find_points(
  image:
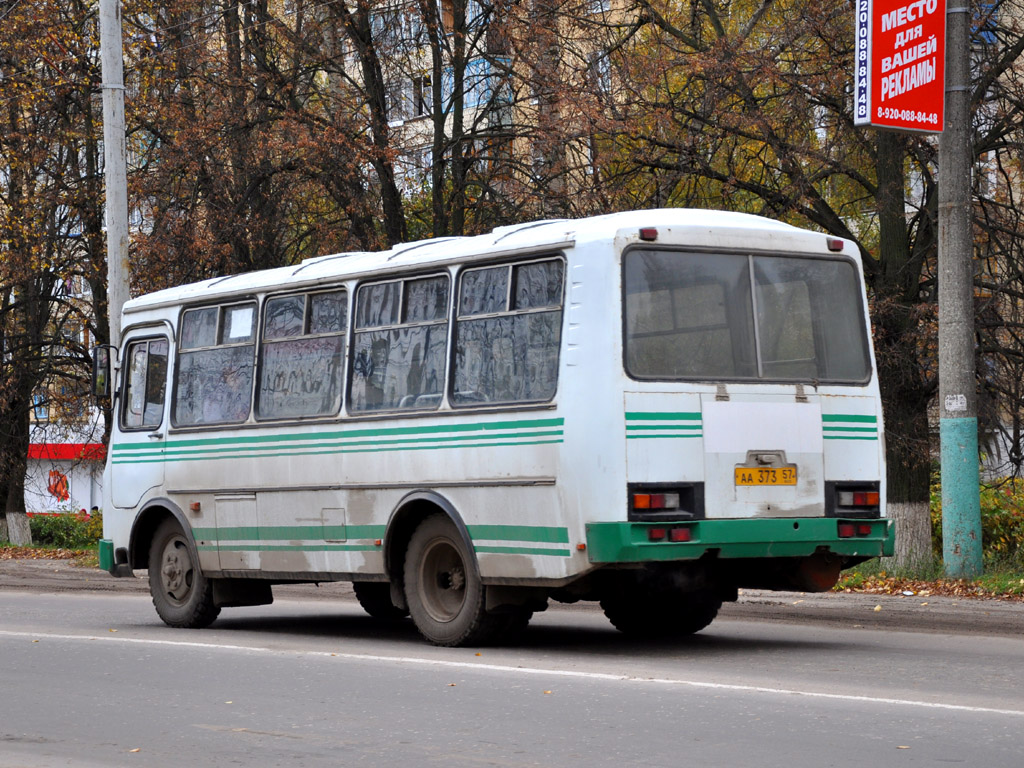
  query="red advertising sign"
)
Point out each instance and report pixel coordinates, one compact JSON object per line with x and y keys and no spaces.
{"x":899,"y":74}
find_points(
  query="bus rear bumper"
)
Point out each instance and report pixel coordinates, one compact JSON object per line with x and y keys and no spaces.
{"x":745,"y":538}
{"x":114,"y":561}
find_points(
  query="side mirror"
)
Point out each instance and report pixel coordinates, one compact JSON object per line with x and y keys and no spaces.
{"x":101,"y":371}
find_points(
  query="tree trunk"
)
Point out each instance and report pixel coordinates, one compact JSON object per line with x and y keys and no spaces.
{"x":898,"y":347}
{"x":18,"y":531}
{"x":17,"y":528}
{"x":913,"y":525}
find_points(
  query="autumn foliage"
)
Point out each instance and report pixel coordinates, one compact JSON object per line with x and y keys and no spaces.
{"x":261,"y":133}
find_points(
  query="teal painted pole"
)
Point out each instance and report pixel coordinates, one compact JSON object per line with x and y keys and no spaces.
{"x":958,"y":403}
{"x":961,"y":506}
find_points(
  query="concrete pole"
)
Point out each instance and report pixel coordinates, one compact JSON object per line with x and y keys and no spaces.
{"x":958,"y":422}
{"x":114,"y":164}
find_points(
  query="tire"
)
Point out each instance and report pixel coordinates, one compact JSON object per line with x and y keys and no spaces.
{"x":375,"y":599}
{"x":661,"y":614}
{"x":443,"y":588}
{"x":182,"y":595}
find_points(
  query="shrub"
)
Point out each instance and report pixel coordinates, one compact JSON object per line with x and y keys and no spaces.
{"x":66,"y":530}
{"x":1002,"y":521}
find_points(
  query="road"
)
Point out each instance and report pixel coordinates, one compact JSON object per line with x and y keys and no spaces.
{"x":93,"y":679}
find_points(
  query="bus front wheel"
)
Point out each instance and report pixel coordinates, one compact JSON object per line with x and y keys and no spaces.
{"x":443,"y":588}
{"x":182,"y":595}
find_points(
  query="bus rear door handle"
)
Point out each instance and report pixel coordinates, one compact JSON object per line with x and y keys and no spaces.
{"x":155,"y":435}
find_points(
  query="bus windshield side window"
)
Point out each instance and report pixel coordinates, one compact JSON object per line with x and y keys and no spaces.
{"x":399,"y":345}
{"x":213,"y":381}
{"x":508,"y":333}
{"x":146,"y":384}
{"x":301,"y":355}
{"x":697,"y":316}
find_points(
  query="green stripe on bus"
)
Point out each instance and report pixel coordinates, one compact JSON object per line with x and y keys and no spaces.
{"x":655,"y":427}
{"x":489,"y":550}
{"x":850,"y":437}
{"x":332,"y":451}
{"x":662,"y":416}
{"x":319,"y":443}
{"x":845,"y":430}
{"x":243,"y":538}
{"x":541,"y":533}
{"x":282,"y":532}
{"x":499,"y":426}
{"x":848,"y":417}
{"x":289,"y":548}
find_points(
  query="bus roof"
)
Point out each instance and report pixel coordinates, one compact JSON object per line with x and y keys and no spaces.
{"x":533,"y":236}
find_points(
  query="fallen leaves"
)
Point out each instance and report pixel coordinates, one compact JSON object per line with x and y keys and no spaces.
{"x":37,"y":553}
{"x":890,"y":585}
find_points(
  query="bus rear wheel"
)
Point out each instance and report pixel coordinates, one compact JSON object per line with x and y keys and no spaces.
{"x":443,"y":588}
{"x":375,"y":599}
{"x":661,"y":614}
{"x":182,"y":595}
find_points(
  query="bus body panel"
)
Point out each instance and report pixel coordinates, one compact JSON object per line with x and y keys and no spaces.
{"x":749,"y":436}
{"x":546,"y":490}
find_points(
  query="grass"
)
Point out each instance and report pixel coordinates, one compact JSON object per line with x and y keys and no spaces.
{"x":1002,"y":577}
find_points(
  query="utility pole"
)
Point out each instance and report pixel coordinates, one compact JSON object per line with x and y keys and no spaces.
{"x":958,"y":417}
{"x":114,"y":164}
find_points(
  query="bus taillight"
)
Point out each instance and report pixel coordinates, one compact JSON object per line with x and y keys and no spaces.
{"x":849,"y":530}
{"x":678,"y":535}
{"x":858,"y":498}
{"x":655,"y":501}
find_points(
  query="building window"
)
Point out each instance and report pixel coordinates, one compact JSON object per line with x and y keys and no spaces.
{"x":422,"y":95}
{"x":40,"y":407}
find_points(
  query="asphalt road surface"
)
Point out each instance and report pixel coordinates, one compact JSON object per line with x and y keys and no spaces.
{"x":89,"y":676}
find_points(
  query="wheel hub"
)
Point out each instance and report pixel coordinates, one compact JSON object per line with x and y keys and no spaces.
{"x":444,"y":581}
{"x":454,"y":579}
{"x":173,"y":572}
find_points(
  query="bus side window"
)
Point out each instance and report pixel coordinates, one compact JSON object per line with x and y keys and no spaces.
{"x":145,"y":384}
{"x":399,"y":345}
{"x":301,"y":355}
{"x":508,"y":333}
{"x":213,"y":380}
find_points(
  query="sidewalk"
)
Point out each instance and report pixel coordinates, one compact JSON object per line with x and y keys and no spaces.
{"x":902,"y":613}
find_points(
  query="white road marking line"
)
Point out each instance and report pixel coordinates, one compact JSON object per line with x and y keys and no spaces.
{"x":477,"y":666}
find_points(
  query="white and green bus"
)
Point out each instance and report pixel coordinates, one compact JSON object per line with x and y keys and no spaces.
{"x":648,"y":409}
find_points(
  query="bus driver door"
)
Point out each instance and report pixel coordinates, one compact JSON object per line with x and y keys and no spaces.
{"x":138,"y":440}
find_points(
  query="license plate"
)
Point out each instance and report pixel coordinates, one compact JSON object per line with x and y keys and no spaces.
{"x":765,"y":475}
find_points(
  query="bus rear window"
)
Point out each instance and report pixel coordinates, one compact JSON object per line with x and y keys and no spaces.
{"x":733,"y":316}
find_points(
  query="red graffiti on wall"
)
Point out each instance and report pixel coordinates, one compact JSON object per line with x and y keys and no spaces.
{"x":58,"y":485}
